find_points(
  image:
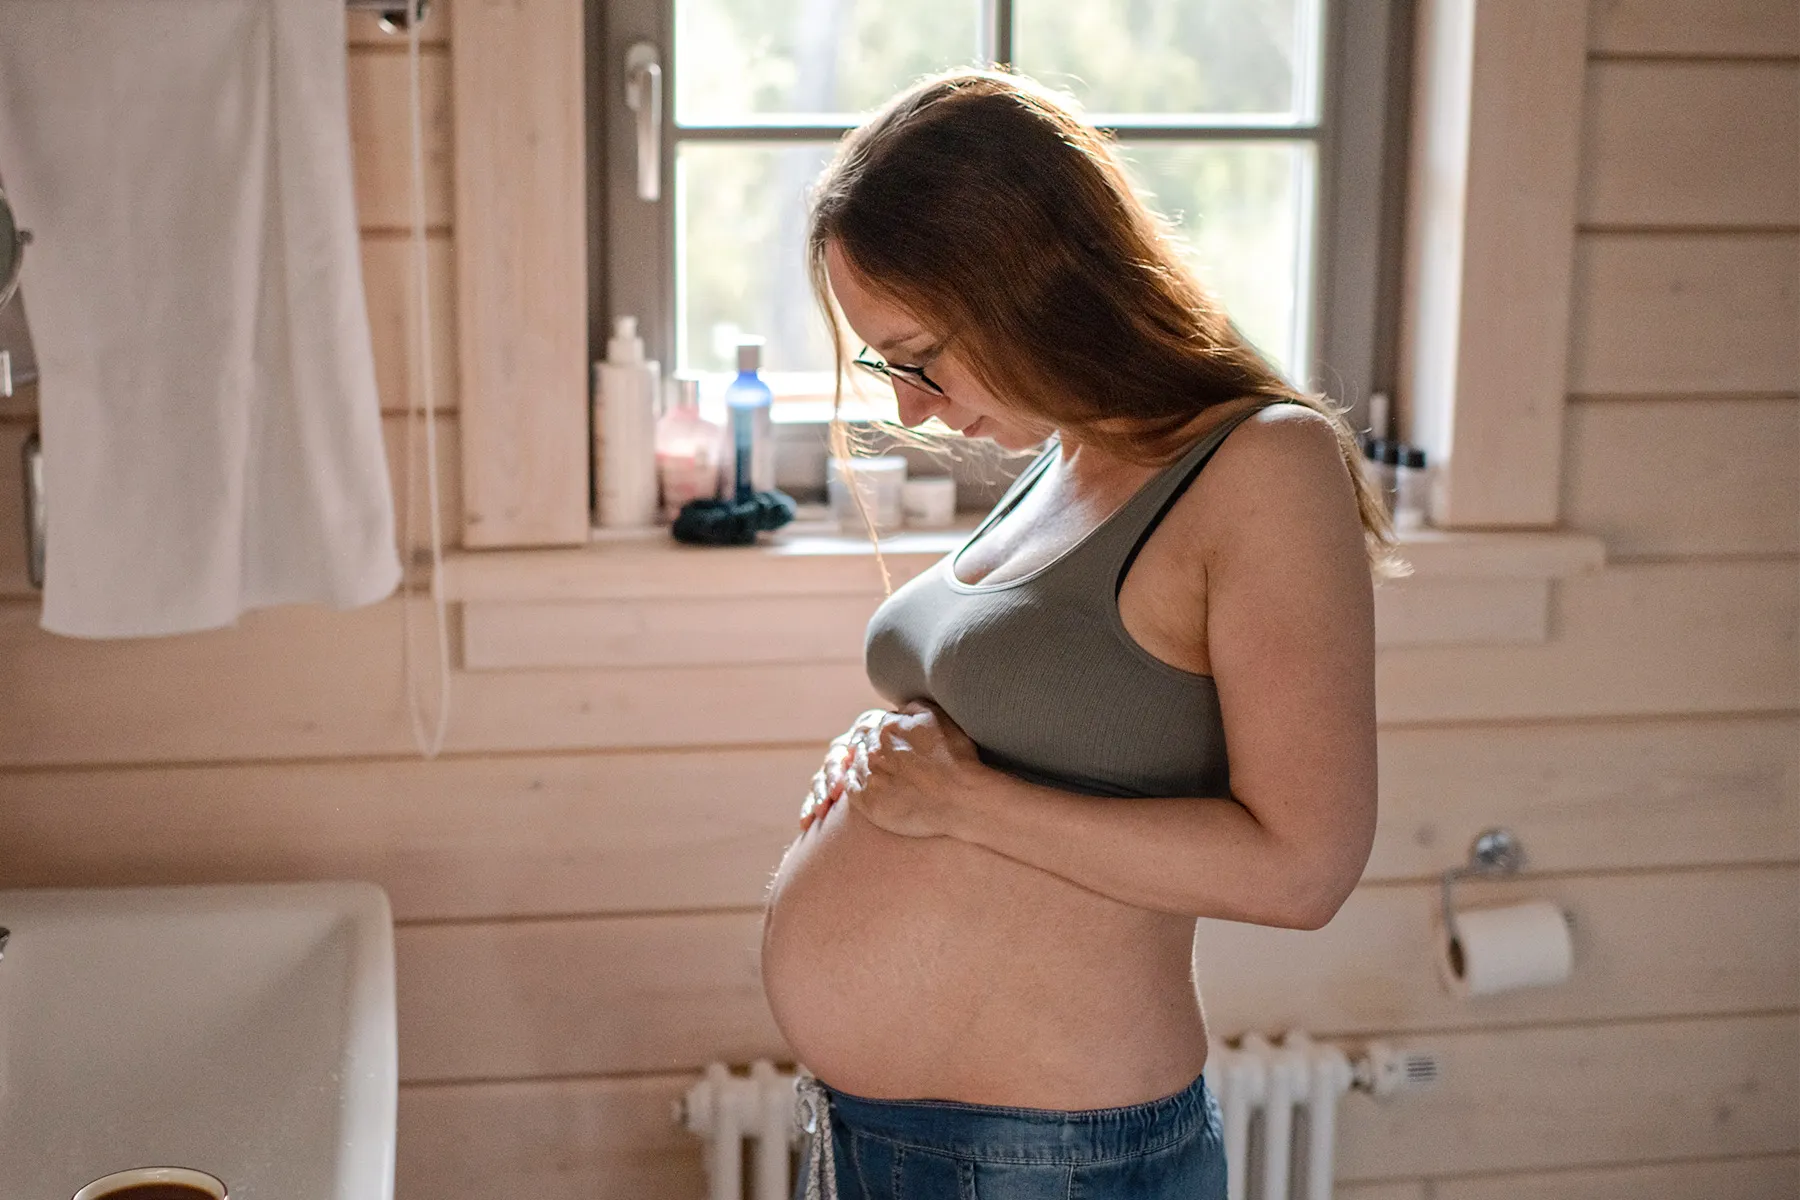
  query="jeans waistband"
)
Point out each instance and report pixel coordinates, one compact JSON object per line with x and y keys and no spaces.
{"x":998,"y":1132}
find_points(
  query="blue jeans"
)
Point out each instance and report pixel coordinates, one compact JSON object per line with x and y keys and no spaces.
{"x":947,"y":1150}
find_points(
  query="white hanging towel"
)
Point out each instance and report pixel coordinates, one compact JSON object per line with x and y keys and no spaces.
{"x":212,"y":435}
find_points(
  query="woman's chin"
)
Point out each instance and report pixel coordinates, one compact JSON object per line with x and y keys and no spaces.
{"x":1007,"y":438}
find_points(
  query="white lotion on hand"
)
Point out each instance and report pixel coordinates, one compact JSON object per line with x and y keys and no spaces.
{"x":625,"y":388}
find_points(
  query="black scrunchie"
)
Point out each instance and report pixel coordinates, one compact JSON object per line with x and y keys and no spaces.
{"x":732,"y":522}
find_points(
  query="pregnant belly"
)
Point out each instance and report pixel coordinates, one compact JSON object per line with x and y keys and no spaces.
{"x":933,"y":968}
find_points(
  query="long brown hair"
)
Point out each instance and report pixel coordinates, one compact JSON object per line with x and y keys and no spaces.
{"x":983,"y":203}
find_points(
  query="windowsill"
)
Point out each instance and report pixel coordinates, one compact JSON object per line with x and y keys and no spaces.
{"x":810,"y":556}
{"x":641,"y":599}
{"x":807,"y":557}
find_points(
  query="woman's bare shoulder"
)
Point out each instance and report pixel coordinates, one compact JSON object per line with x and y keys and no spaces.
{"x":1276,"y":489}
{"x":1286,"y":428}
{"x":1273,"y":480}
{"x":1282,"y":454}
{"x":1283,"y":460}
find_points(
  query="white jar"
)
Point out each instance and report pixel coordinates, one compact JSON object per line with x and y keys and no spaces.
{"x":880,"y":482}
{"x":930,"y":503}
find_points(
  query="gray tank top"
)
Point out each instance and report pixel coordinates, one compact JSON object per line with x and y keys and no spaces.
{"x":1039,"y":669}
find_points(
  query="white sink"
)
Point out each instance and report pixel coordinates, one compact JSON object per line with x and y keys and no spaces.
{"x":246,"y":1031}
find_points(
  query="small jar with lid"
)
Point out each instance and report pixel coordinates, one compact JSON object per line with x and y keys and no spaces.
{"x":1381,"y":464}
{"x":880,"y":481}
{"x":1412,"y":488}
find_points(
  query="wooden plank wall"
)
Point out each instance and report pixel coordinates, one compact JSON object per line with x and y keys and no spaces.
{"x":578,"y":879}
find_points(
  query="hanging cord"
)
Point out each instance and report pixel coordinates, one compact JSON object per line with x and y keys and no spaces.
{"x":421,"y":392}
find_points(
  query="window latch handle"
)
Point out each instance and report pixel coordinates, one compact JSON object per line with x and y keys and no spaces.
{"x":643,"y":95}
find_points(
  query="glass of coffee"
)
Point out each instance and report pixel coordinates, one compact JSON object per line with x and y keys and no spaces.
{"x":155,"y":1183}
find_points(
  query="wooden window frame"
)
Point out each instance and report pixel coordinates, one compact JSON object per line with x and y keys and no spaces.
{"x":517,"y":81}
{"x":1351,"y":329}
{"x":1490,"y":253}
{"x":1484,"y":310}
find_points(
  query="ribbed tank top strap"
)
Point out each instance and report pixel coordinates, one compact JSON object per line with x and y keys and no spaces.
{"x":1112,"y":548}
{"x":1021,"y":482}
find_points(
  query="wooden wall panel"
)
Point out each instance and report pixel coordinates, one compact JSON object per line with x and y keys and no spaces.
{"x":1645,"y":639}
{"x":387,"y":270}
{"x":381,"y":141}
{"x":657,"y":707}
{"x":449,"y":838}
{"x":1748,"y":28}
{"x":1591,"y":795}
{"x":1704,"y":144}
{"x":1776,"y":1177}
{"x":689,"y":631}
{"x":307,"y":682}
{"x":734,"y":629}
{"x":580,"y":997}
{"x":1575,"y":1100}
{"x":1665,"y":638}
{"x":1433,"y":612}
{"x":587,"y":1139}
{"x":1645,"y":945}
{"x":1579,"y":1095}
{"x":642,"y":831}
{"x":612,"y":995}
{"x":704,"y":628}
{"x":637,"y":831}
{"x":1685,"y":475}
{"x":285,"y":682}
{"x":1696,"y":313}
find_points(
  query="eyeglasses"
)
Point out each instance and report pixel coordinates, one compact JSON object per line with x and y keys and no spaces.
{"x":894,"y":372}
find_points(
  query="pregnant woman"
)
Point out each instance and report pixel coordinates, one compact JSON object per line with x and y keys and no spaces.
{"x":1141,"y":693}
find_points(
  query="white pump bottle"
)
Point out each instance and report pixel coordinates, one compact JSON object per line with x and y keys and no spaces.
{"x":625,"y":391}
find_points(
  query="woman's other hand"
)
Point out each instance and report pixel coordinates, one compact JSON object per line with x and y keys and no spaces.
{"x":828,"y":780}
{"x":911,"y":771}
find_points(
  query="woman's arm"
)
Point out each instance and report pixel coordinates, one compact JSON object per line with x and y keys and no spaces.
{"x":1290,"y":635}
{"x":1290,"y":639}
{"x":1199,"y":856}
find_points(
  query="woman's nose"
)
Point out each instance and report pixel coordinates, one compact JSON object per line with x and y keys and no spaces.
{"x":915,"y":404}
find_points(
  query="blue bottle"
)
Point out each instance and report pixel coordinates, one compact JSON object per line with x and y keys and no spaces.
{"x":751,"y":428}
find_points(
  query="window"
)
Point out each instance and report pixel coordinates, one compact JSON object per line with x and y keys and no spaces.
{"x":1261,"y":127}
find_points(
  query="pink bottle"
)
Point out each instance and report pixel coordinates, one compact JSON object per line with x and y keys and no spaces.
{"x":687,"y":449}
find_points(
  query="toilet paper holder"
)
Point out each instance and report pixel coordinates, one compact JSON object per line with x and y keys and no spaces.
{"x":1495,"y":851}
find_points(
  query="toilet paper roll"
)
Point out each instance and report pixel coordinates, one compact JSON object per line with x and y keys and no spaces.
{"x":1519,"y":945}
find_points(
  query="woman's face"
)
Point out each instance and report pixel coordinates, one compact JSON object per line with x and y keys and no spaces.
{"x":901,"y":338}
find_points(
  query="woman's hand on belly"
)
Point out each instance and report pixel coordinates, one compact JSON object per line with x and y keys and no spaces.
{"x":913,"y":772}
{"x":828,"y":780}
